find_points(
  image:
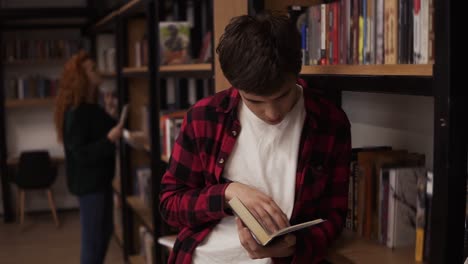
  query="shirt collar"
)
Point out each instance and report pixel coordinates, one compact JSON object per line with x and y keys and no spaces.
{"x":232,"y":99}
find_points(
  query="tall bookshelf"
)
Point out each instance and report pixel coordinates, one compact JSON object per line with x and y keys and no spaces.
{"x":22,"y":22}
{"x":141,"y":84}
{"x":450,"y":148}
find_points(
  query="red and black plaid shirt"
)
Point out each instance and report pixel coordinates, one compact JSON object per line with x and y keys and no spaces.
{"x":192,"y":190}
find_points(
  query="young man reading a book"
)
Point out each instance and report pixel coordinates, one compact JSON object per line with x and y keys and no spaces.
{"x":269,"y":140}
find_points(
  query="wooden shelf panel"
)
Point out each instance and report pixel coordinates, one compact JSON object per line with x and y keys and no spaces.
{"x":370,"y":70}
{"x":136,"y":259}
{"x":143,"y":212}
{"x":352,"y":249}
{"x":135,"y":71}
{"x":186,"y":67}
{"x":30,"y":102}
{"x":180,"y":70}
{"x":108,"y":74}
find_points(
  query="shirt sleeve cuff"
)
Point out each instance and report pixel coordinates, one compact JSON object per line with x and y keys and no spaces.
{"x":217,"y":202}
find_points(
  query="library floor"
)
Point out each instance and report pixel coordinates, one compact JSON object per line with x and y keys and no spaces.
{"x":39,"y":241}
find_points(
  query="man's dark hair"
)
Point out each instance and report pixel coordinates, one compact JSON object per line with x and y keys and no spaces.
{"x":257,"y":53}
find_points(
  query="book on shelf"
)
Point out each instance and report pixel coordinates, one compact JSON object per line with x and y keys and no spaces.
{"x":205,"y":54}
{"x":31,"y":86}
{"x":402,"y":205}
{"x":366,"y":32}
{"x":38,"y":49}
{"x":174,"y":42}
{"x":170,"y":125}
{"x":420,"y":221}
{"x":254,"y":225}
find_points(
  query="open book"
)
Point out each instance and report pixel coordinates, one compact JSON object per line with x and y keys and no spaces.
{"x":261,"y":234}
{"x":123,"y":115}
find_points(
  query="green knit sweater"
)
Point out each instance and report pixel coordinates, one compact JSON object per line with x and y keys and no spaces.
{"x":89,"y":155}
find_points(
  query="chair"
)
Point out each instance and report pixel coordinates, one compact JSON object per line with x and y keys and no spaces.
{"x":35,"y":172}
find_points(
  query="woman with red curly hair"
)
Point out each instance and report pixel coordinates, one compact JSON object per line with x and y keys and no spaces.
{"x":88,"y":134}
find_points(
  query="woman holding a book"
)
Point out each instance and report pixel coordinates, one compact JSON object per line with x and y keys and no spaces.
{"x":88,"y":134}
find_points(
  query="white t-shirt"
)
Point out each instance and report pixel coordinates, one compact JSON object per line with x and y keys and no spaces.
{"x":265,"y":157}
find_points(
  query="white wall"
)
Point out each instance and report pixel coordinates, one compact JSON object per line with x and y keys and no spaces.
{"x":33,"y":128}
{"x":400,"y":121}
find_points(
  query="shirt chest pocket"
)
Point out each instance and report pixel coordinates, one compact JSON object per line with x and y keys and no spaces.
{"x":315,"y":182}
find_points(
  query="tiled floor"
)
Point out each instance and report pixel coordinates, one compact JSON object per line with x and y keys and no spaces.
{"x":39,"y":241}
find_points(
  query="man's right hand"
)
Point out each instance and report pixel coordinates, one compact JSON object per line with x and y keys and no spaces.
{"x":259,"y":204}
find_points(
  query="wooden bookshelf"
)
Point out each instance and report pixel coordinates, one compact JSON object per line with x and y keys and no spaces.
{"x":30,"y":102}
{"x":108,"y":75}
{"x":370,"y":70}
{"x":143,"y":212}
{"x":136,"y":259}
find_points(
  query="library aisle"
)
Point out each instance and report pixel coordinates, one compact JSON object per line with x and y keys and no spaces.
{"x":39,"y":241}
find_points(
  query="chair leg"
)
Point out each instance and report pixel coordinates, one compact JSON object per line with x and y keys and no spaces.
{"x":18,"y":204}
{"x":52,"y":207}
{"x":22,"y":194}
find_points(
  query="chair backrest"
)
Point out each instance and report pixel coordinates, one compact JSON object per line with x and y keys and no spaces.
{"x":35,"y":170}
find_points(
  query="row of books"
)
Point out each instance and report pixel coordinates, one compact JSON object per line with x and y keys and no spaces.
{"x":23,"y":49}
{"x":389,"y":195}
{"x":35,"y":86}
{"x":366,"y":32}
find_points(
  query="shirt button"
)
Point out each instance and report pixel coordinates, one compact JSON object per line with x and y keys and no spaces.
{"x":221,"y":161}
{"x":234,"y":133}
